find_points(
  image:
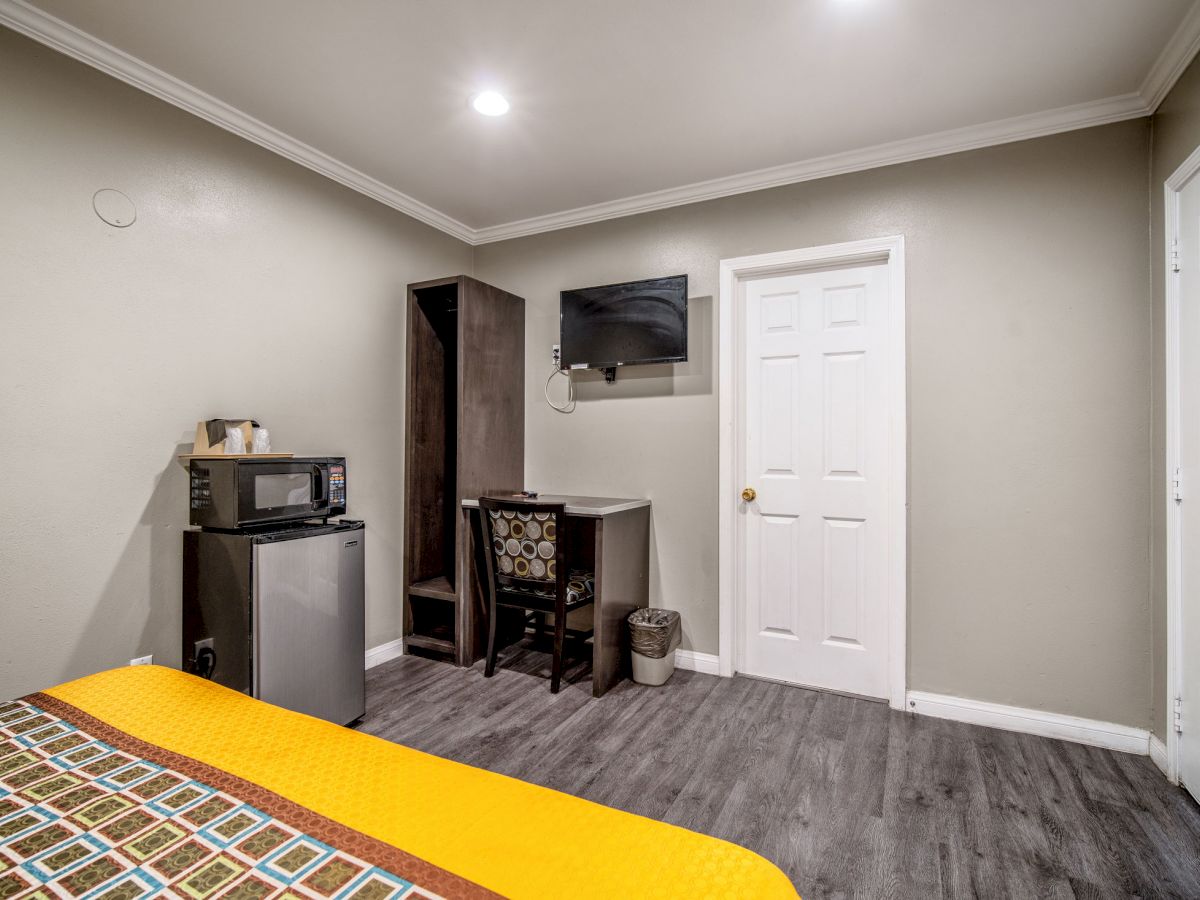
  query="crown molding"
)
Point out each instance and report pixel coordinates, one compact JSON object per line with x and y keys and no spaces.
{"x":1019,"y":128}
{"x":66,"y":38}
{"x":1181,"y":49}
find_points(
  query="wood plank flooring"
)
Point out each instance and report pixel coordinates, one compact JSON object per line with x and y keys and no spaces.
{"x":848,"y":797}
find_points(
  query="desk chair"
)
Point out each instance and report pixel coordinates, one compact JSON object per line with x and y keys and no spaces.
{"x":528,"y":570}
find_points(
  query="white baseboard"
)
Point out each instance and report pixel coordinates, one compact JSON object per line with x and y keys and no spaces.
{"x":1158,"y":754}
{"x":1032,"y":721}
{"x":381,"y":654}
{"x":708,"y":663}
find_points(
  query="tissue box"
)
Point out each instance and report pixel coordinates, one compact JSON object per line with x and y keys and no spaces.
{"x":210,"y":435}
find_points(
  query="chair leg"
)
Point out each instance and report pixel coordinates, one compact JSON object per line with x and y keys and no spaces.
{"x":489,"y":668}
{"x":539,"y":628}
{"x":560,"y":630}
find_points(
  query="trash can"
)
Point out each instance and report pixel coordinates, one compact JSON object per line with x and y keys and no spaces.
{"x":654,"y":635}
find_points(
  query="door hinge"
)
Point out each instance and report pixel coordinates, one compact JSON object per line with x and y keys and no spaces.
{"x":1175,"y":257}
{"x":1177,"y":486}
{"x":1177,"y":715}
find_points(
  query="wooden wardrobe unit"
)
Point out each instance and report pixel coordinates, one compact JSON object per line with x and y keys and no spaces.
{"x":465,"y":436}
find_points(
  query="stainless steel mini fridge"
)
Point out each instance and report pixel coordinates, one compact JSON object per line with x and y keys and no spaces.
{"x":279,"y":614}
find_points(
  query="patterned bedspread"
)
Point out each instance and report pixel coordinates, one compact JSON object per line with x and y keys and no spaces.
{"x":144,"y":780}
{"x":89,"y":811}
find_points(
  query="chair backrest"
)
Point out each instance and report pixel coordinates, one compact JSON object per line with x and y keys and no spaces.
{"x":525,"y":544}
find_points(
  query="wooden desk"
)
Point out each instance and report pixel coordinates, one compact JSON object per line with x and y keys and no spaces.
{"x":613,"y":535}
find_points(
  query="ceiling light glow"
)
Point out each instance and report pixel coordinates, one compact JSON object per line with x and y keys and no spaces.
{"x":490,"y":103}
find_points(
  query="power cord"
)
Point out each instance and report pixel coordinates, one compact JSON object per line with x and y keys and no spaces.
{"x":206,"y":662}
{"x":569,"y":406}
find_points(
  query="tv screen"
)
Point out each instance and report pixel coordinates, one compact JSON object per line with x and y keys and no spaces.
{"x":624,"y":324}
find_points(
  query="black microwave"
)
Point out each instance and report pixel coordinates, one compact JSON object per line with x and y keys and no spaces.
{"x":237,"y":493}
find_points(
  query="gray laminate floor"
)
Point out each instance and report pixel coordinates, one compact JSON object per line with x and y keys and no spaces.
{"x":849,"y":798}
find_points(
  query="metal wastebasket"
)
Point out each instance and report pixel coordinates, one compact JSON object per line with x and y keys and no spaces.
{"x":654,"y":635}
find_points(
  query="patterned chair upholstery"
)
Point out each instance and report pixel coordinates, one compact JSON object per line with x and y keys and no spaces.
{"x":527,"y":570}
{"x":524,"y":545}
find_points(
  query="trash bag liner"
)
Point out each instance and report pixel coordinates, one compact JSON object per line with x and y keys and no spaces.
{"x":654,"y":632}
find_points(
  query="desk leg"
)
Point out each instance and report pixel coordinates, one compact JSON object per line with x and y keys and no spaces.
{"x":622,"y":585}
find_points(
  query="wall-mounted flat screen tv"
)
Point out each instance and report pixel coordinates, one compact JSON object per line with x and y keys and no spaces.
{"x":624,"y":324}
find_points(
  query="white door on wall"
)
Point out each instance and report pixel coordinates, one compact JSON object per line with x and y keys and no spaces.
{"x":814,"y":447}
{"x":1189,"y":506}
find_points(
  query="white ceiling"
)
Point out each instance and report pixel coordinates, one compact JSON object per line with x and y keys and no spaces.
{"x":661,"y":101}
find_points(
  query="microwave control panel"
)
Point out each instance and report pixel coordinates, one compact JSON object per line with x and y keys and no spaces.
{"x":337,"y":485}
{"x":201,"y":488}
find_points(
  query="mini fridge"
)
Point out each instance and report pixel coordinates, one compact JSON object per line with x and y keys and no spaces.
{"x":279,"y":614}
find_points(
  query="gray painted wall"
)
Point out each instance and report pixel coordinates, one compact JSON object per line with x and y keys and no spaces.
{"x":1175,"y":134}
{"x":248,"y":286}
{"x":1029,"y":356}
{"x":1030,"y":359}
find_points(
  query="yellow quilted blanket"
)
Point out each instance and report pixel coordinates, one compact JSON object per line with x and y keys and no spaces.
{"x":482,"y":832}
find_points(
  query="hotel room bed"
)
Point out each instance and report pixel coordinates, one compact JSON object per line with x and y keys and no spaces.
{"x":144,"y":779}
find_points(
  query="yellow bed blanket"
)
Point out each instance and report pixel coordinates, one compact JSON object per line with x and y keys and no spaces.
{"x":147,"y":773}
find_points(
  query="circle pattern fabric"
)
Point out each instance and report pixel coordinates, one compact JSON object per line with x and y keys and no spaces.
{"x":524,"y":544}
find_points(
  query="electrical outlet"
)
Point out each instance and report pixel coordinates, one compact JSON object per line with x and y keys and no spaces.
{"x":143,"y":661}
{"x":556,"y":351}
{"x":204,"y":658}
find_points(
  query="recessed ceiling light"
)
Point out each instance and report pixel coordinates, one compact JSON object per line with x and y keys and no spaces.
{"x":490,"y":103}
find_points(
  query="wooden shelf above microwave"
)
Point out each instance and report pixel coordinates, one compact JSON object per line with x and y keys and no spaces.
{"x":186,"y":458}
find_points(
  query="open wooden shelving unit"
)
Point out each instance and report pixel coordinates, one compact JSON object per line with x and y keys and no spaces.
{"x":465,"y":436}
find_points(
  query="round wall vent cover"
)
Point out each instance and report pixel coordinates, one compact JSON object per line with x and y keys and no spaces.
{"x":114,"y":208}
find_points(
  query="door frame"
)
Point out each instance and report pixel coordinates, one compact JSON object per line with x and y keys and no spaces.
{"x":1172,"y":188}
{"x":734,"y":273}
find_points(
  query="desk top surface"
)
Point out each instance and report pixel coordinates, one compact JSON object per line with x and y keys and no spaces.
{"x":575,"y":506}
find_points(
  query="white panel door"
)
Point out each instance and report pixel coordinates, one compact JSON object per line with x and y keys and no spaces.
{"x":1189,"y":507}
{"x":813,"y":441}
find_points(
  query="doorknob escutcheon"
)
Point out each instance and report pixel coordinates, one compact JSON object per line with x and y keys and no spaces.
{"x":748,"y":494}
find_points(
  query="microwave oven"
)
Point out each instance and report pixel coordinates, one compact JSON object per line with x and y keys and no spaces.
{"x":230,"y":494}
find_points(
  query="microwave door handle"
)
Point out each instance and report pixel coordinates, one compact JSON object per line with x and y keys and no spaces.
{"x":320,"y":482}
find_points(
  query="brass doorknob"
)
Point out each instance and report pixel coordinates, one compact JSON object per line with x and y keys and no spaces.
{"x":749,"y":494}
